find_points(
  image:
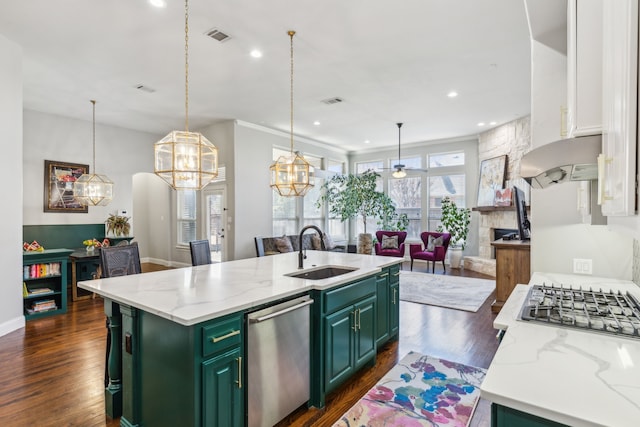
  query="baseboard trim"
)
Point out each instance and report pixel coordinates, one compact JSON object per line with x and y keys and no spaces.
{"x":12,"y":325}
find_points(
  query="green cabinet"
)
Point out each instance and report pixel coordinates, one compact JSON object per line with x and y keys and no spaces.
{"x":503,"y":416}
{"x":222,"y":396}
{"x":349,"y":325}
{"x":387,"y":303}
{"x":184,"y":375}
{"x":44,"y":286}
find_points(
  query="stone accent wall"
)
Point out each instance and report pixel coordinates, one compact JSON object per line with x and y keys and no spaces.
{"x":514,"y":140}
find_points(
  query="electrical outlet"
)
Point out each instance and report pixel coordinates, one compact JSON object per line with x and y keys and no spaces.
{"x":582,"y":266}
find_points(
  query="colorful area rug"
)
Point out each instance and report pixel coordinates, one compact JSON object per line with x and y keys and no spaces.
{"x":419,"y":391}
{"x":460,"y":293}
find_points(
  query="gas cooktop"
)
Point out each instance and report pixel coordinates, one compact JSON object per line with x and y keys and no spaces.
{"x":598,"y":311}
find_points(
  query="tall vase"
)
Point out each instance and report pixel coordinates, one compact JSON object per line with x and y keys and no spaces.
{"x":455,"y":256}
{"x":365,"y":243}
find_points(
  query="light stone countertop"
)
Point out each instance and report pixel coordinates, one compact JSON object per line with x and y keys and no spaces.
{"x":192,"y":295}
{"x":562,"y":374}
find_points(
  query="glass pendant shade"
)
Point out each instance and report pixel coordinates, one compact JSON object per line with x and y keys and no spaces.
{"x":92,"y":189}
{"x":186,"y":160}
{"x":400,"y":173}
{"x":292,"y":175}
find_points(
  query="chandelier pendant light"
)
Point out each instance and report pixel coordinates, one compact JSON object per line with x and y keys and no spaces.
{"x":186,"y":160}
{"x":292,"y":175}
{"x":399,"y":172}
{"x":92,"y":188}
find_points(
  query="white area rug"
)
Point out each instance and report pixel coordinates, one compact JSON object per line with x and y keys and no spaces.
{"x":460,"y":293}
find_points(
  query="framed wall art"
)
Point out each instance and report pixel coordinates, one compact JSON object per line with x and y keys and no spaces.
{"x":492,"y":172}
{"x":58,"y":186}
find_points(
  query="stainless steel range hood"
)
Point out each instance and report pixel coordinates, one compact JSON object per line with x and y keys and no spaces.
{"x":573,"y":159}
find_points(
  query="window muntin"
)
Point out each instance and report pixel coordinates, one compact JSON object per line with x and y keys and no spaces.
{"x":186,"y":216}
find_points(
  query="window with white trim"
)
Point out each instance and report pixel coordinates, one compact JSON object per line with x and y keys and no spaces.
{"x":186,"y":216}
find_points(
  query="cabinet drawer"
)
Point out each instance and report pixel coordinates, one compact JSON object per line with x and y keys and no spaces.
{"x":221,"y":334}
{"x":337,"y":298}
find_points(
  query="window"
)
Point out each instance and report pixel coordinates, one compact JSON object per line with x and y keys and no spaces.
{"x":365,"y":166}
{"x":335,"y":166}
{"x":312,"y":214}
{"x":285,"y":218}
{"x":410,"y":162}
{"x":407,"y":196}
{"x":186,"y":215}
{"x":446,"y":159}
{"x":452,"y":186}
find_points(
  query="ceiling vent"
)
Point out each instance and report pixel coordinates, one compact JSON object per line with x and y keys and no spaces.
{"x":144,"y":88}
{"x":216,"y":34}
{"x":332,"y":101}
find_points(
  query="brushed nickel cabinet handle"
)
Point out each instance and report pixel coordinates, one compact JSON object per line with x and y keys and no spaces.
{"x":355,"y":321}
{"x":394,"y":295}
{"x":224,"y":337}
{"x":383,"y":275}
{"x":239,"y":382}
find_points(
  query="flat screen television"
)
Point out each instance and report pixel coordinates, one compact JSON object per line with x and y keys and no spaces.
{"x":524,"y":227}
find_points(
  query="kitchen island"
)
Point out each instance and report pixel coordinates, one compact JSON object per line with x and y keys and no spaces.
{"x":181,"y":332}
{"x":545,"y":375}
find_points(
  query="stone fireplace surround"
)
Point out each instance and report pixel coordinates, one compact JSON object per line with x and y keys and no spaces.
{"x":485,"y":262}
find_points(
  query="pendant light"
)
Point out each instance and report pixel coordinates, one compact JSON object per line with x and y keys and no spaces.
{"x":291,"y":175}
{"x":93,"y":189}
{"x":186,"y":160}
{"x":399,"y":172}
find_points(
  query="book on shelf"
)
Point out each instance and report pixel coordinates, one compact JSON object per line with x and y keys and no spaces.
{"x":39,"y":291}
{"x":43,"y":305}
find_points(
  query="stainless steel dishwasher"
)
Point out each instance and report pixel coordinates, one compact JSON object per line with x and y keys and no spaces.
{"x":278,"y":361}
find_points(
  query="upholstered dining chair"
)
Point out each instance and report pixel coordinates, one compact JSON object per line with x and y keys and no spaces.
{"x":390,"y":243}
{"x":200,"y":252}
{"x":119,"y":260}
{"x":435,"y":248}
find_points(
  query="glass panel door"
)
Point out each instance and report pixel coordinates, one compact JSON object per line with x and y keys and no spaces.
{"x":214,"y":222}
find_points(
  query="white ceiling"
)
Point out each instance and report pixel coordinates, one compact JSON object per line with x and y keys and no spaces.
{"x":390,"y":61}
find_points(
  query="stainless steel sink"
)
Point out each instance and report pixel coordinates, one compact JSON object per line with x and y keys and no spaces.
{"x":323,"y":272}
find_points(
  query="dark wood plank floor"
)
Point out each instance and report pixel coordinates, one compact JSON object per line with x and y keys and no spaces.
{"x":51,"y":372}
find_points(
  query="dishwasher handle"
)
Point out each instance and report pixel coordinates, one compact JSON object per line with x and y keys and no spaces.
{"x":280,"y":313}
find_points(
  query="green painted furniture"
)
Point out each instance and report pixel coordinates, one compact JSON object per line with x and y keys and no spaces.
{"x":175,"y":375}
{"x":387,"y":303}
{"x":503,"y":416}
{"x":48,"y":284}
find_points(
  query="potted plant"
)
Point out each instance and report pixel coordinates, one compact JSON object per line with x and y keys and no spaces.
{"x":355,"y":195}
{"x":455,"y":221}
{"x":117,"y":225}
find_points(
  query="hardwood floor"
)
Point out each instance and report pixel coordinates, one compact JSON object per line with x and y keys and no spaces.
{"x":51,"y":372}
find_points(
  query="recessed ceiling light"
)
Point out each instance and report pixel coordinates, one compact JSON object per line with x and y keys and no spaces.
{"x":367,"y":141}
{"x":317,"y":123}
{"x":256,"y":53}
{"x":481,"y":124}
{"x":492,"y":123}
{"x":452,"y":94}
{"x":158,"y":3}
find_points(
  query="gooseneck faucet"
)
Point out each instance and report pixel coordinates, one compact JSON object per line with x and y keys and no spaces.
{"x":301,"y":255}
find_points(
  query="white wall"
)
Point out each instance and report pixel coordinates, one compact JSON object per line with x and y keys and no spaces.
{"x":557,"y":233}
{"x":11,"y":317}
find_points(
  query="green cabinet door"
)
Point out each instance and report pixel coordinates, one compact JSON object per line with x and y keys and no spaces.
{"x":222,"y":394}
{"x":365,"y":331}
{"x":339,"y":330}
{"x":382,"y":305}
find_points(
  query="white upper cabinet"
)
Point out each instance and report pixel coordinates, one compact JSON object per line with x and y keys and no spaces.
{"x":584,"y":67}
{"x":617,"y":164}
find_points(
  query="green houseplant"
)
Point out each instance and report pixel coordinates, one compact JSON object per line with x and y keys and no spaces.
{"x":118,"y":225}
{"x":455,"y":221}
{"x":355,"y":196}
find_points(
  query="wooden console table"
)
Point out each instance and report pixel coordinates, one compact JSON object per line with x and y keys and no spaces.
{"x":513,"y":266}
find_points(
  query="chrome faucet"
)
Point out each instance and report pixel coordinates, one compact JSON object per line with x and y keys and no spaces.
{"x":301,"y":255}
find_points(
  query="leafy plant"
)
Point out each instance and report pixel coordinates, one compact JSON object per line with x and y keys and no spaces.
{"x":392,"y":220}
{"x":455,"y":221}
{"x":118,"y":224}
{"x":352,"y":196}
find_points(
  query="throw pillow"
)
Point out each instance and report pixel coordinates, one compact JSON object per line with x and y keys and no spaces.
{"x":432,"y":242}
{"x":283,"y":244}
{"x":328,"y":242}
{"x":389,"y":242}
{"x":315,"y":242}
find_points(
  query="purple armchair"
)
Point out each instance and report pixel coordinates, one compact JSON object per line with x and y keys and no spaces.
{"x":399,"y":251}
{"x":437,"y":254}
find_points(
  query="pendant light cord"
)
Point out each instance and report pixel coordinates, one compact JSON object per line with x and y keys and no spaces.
{"x":94,"y":135}
{"x":186,"y":65}
{"x":291,"y":34}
